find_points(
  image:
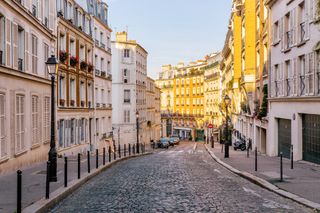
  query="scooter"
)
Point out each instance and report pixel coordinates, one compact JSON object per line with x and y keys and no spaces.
{"x":240,"y":145}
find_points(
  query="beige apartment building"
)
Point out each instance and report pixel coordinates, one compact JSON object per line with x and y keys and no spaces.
{"x":27,"y":39}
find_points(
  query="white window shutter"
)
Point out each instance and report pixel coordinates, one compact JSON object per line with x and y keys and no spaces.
{"x":40,"y":10}
{"x":295,"y":76}
{"x":52,"y":16}
{"x":8,"y":43}
{"x":26,"y":55}
{"x":281,"y":32}
{"x":15,"y":45}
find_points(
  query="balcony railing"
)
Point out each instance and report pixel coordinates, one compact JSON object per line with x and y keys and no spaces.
{"x":34,"y":10}
{"x":20,"y":64}
{"x":102,"y":45}
{"x":1,"y":57}
{"x":97,"y":105}
{"x":96,"y":42}
{"x":109,"y":49}
{"x":103,"y":73}
{"x":46,"y":22}
{"x":97,"y":72}
{"x":302,"y":32}
{"x":288,"y":35}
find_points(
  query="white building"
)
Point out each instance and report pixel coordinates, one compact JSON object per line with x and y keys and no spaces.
{"x":26,"y":41}
{"x":129,"y":71}
{"x":294,"y":97}
{"x":103,"y":76}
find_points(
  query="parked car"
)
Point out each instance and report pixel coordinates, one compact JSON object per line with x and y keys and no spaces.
{"x":171,"y":141}
{"x":163,"y":143}
{"x":176,"y":140}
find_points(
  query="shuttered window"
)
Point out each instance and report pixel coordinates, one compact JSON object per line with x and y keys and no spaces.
{"x":35,"y":119}
{"x":20,"y":123}
{"x":3,"y":143}
{"x":46,"y":119}
{"x":46,"y":56}
{"x":34,"y":52}
{"x":2,"y":39}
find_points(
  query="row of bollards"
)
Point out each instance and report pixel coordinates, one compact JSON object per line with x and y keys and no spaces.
{"x":131,"y":150}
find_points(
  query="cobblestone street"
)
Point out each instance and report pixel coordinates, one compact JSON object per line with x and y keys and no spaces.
{"x":179,"y":179}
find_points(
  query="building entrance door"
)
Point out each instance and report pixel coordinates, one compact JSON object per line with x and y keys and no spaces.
{"x":311,"y":138}
{"x":284,"y":137}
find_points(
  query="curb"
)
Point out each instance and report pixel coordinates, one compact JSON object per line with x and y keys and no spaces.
{"x":265,"y":184}
{"x":41,"y":206}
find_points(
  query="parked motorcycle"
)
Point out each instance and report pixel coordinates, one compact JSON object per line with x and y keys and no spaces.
{"x":240,"y":145}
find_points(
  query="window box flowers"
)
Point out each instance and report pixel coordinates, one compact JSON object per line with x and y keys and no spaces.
{"x":74,"y":61}
{"x":63,"y":56}
{"x":83,"y":65}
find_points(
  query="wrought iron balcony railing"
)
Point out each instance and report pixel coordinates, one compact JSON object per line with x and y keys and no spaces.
{"x":20,"y":64}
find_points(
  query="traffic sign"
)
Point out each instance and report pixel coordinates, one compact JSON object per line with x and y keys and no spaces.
{"x":210,"y":126}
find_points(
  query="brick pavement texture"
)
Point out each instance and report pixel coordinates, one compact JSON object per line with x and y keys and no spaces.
{"x":303,"y":180}
{"x":175,"y":180}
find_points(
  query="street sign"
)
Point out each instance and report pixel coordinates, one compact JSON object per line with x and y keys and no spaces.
{"x":210,"y":126}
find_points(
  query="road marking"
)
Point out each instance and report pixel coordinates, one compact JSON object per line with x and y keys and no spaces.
{"x":181,"y":151}
{"x":162,"y":152}
{"x":251,"y":191}
{"x":216,"y":170}
{"x":200,"y":151}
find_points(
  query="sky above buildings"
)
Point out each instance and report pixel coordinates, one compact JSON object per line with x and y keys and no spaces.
{"x":172,"y":30}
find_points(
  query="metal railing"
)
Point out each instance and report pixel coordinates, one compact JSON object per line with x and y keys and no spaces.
{"x":102,"y":45}
{"x":288,"y":39}
{"x":97,"y":72}
{"x":302,"y":32}
{"x":103,"y":73}
{"x":96,"y":42}
{"x":34,"y":10}
{"x":20,"y":64}
{"x":46,"y":22}
{"x":302,"y":84}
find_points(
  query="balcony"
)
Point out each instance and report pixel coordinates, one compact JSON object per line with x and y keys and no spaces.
{"x":302,"y":29}
{"x":102,"y":45}
{"x":98,"y":105}
{"x":82,"y":103}
{"x":34,"y":10}
{"x":103,"y":74}
{"x":20,"y":64}
{"x":97,"y":72}
{"x":1,"y":58}
{"x":104,"y":105}
{"x":96,"y":41}
{"x":109,"y":49}
{"x":61,"y":102}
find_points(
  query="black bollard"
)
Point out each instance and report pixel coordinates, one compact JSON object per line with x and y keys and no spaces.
{"x":19,"y":191}
{"x":48,"y":180}
{"x":248,"y":152}
{"x":291,"y":156}
{"x":281,"y":168}
{"x":65,"y":171}
{"x":114,"y":152}
{"x":79,"y":165}
{"x":124,"y":150}
{"x":97,"y":158}
{"x":104,"y":156}
{"x":129,"y":149}
{"x":88,"y":156}
{"x":256,"y":159}
{"x":119,"y":150}
{"x":134,"y":149}
{"x":109,"y":153}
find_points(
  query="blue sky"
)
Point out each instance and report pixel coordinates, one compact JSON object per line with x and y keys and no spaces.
{"x":172,"y":30}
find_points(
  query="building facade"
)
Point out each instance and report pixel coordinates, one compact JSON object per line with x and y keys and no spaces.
{"x":129,"y":71}
{"x":294,"y":116}
{"x":27,"y":39}
{"x":102,"y":75}
{"x":75,"y":79}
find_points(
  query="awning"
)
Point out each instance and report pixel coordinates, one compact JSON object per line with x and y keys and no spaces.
{"x":317,"y":46}
{"x":182,"y":128}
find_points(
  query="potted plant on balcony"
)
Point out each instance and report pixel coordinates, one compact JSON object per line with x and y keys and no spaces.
{"x":63,"y":55}
{"x":90,"y":67}
{"x":83,"y":65}
{"x":74,"y":60}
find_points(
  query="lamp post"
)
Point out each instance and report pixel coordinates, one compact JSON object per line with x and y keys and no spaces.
{"x":227,"y":101}
{"x":137,"y":121}
{"x":52,"y":65}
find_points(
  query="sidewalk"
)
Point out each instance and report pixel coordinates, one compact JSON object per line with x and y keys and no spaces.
{"x":303,"y":180}
{"x":34,"y":179}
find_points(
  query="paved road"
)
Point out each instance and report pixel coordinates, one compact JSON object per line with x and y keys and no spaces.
{"x":174,"y":180}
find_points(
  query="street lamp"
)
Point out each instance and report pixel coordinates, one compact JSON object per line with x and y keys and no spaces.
{"x":227,"y":102}
{"x":52,"y":65}
{"x":137,"y":121}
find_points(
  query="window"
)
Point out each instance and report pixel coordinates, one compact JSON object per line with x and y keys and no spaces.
{"x":46,"y":13}
{"x":126,"y":116}
{"x":126,"y":76}
{"x":82,"y":129}
{"x":20,"y":124}
{"x":35,"y":8}
{"x":46,"y":56}
{"x":126,"y":53}
{"x":46,"y":126}
{"x":73,"y":128}
{"x":62,"y":88}
{"x":70,"y":11}
{"x":126,"y":96}
{"x":82,"y":53}
{"x":62,"y":42}
{"x":2,"y":39}
{"x":102,"y":96}
{"x":34,"y":52}
{"x":35,"y":119}
{"x":102,"y":64}
{"x":3,"y":143}
{"x":21,"y":48}
{"x":72,"y":48}
{"x":97,"y":126}
{"x":72,"y":91}
{"x":82,"y":93}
